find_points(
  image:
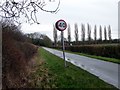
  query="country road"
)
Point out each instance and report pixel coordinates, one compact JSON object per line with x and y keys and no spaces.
{"x":106,"y":71}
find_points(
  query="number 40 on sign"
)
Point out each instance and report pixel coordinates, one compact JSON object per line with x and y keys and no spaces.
{"x":61,"y":25}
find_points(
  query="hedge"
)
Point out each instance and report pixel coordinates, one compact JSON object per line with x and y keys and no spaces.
{"x":112,"y":51}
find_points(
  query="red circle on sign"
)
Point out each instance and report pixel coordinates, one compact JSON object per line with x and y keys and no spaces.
{"x":61,"y":25}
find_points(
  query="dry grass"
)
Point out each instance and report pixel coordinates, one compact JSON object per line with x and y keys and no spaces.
{"x":40,"y":76}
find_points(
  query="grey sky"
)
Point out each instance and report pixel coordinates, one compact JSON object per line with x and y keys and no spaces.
{"x":99,"y":12}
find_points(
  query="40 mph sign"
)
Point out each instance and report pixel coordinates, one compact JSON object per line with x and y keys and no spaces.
{"x":61,"y":25}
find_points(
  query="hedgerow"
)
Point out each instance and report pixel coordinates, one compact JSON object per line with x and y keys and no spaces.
{"x":16,"y":56}
{"x":112,"y":51}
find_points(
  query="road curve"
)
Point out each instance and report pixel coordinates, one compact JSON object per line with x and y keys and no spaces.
{"x":106,"y":71}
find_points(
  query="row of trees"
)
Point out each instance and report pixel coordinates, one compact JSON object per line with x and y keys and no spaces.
{"x":83,"y":33}
{"x":39,"y":39}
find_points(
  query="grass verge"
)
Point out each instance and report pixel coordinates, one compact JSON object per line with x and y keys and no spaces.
{"x":55,"y":75}
{"x":95,"y":57}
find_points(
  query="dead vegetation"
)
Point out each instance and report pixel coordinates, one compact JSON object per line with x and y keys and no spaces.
{"x":40,"y":76}
{"x":17,"y":56}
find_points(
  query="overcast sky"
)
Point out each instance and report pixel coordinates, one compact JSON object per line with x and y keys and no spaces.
{"x":94,"y":12}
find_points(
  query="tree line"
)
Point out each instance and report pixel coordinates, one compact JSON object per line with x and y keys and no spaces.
{"x":90,"y":39}
{"x":39,"y":39}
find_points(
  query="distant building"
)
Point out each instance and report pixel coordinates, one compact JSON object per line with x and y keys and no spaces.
{"x":119,"y":20}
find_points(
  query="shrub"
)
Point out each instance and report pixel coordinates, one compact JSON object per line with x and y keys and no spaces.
{"x":112,"y":51}
{"x":17,"y":54}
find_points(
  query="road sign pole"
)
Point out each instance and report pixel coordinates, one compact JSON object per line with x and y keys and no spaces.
{"x":63,"y":47}
{"x":61,"y":25}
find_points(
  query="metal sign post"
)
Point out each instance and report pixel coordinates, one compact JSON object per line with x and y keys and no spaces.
{"x":61,"y":25}
{"x":63,"y":46}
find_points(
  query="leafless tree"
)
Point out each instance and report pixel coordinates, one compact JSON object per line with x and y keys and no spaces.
{"x":83,"y":32}
{"x":16,"y":9}
{"x":95,"y":33}
{"x":105,"y":33}
{"x":76,"y":32}
{"x":109,"y":32}
{"x":69,"y":34}
{"x":100,"y":33}
{"x":55,"y":35}
{"x":89,"y":32}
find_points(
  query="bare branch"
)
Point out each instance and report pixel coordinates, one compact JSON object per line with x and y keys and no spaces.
{"x":27,"y":8}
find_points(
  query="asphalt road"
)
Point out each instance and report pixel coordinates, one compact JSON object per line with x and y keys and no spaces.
{"x":106,"y":71}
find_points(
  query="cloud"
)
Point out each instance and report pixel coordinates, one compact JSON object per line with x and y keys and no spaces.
{"x":99,"y":12}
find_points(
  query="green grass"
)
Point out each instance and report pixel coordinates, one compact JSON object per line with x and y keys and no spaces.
{"x":96,"y":57}
{"x":55,"y":75}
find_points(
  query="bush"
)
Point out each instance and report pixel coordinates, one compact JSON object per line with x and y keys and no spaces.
{"x":112,"y":51}
{"x":28,"y":49}
{"x":17,"y":54}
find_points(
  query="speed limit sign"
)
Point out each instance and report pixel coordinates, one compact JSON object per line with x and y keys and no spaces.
{"x":61,"y":25}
